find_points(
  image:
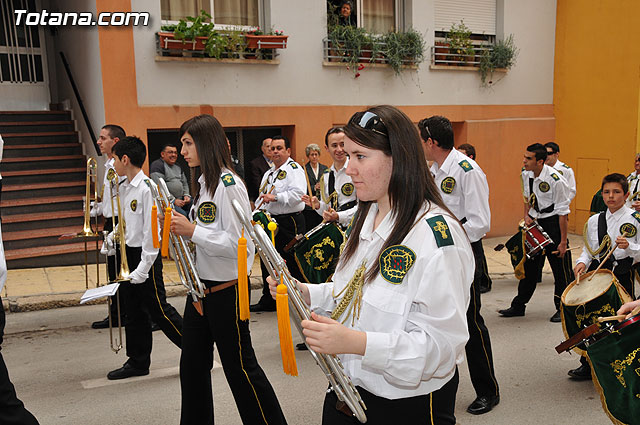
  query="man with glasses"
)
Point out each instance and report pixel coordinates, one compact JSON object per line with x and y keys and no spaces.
{"x":633,"y":201}
{"x":281,"y":191}
{"x":553,"y":152}
{"x":166,"y":168}
{"x":464,"y":190}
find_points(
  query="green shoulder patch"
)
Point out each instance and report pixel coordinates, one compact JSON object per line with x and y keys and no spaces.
{"x":628,"y":230}
{"x":440,"y":230}
{"x":293,"y":165}
{"x":465,"y":165}
{"x":228,"y":180}
{"x":147,"y":182}
{"x":282,"y":175}
{"x":347,"y":189}
{"x":395,"y":262}
{"x":448,"y":184}
{"x":555,"y":176}
{"x":207,"y":212}
{"x":636,"y":215}
{"x":560,"y":171}
{"x":566,"y":166}
{"x":134,"y":205}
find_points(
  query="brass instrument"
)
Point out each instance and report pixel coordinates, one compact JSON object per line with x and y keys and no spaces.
{"x":92,"y":172}
{"x":123,"y":272}
{"x":330,"y":364}
{"x":181,"y":253}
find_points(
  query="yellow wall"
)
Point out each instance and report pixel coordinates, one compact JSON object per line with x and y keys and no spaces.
{"x":597,"y":92}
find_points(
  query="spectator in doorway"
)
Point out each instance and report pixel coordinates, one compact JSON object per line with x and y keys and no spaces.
{"x":345,"y":18}
{"x":257,"y":167}
{"x":468,"y":150}
{"x":236,"y":163}
{"x":165,"y":167}
{"x":314,"y":171}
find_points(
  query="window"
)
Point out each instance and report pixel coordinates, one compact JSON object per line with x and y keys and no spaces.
{"x":376,"y":16}
{"x":478,"y":15}
{"x":224,"y":12}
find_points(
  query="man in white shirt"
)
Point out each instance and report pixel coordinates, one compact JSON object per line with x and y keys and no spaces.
{"x":553,"y":152}
{"x":464,"y":190}
{"x":633,"y":179}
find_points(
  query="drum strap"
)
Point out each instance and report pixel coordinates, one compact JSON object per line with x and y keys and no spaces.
{"x":534,"y":201}
{"x":348,"y":205}
{"x":602,"y":228}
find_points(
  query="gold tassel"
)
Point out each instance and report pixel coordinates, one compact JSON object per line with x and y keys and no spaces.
{"x":284,"y":329}
{"x":243,"y":284}
{"x":165,"y":233}
{"x":519,"y":269}
{"x":154,"y":226}
{"x":272,"y":228}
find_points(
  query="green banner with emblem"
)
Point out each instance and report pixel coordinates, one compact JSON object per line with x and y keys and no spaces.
{"x":516,"y":249}
{"x":318,"y":254}
{"x":615,"y":363}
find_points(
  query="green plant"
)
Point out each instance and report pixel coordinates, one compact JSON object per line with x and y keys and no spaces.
{"x":192,"y":27}
{"x":348,"y":42}
{"x":502,"y":55}
{"x":216,"y":45}
{"x":168,"y":28}
{"x":402,"y":48}
{"x":459,"y":39}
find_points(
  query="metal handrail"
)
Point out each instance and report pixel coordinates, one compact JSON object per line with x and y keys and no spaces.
{"x":338,"y":54}
{"x":456,"y":59}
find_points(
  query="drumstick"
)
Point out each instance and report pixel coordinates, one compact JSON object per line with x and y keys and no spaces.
{"x":306,"y":175}
{"x":262,"y":200}
{"x":602,"y":262}
{"x":618,"y":317}
{"x":570,"y":249}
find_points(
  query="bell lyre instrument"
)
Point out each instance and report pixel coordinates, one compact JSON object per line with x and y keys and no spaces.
{"x":348,"y":396}
{"x":181,"y":252}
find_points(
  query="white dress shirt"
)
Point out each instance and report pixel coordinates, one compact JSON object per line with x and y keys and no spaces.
{"x":218,"y":229}
{"x":549,"y":188}
{"x":104,"y":208}
{"x":626,"y":217}
{"x":465,"y":191}
{"x":344,"y":188}
{"x":136,"y":201}
{"x":416,"y":329}
{"x":569,"y":176}
{"x":634,"y":187}
{"x":289,"y":185}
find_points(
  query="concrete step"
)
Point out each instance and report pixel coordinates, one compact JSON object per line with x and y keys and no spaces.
{"x":20,"y":191}
{"x":22,"y":116}
{"x":50,"y":256}
{"x":35,"y":126}
{"x":42,"y":237}
{"x":18,"y":222}
{"x":51,"y":149}
{"x":40,"y":162}
{"x":50,"y":204}
{"x":39,"y":137}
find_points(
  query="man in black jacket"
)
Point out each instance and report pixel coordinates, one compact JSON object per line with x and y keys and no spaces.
{"x":257,"y":167}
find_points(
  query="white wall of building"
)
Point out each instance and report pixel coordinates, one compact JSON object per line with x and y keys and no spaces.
{"x":301,"y":79}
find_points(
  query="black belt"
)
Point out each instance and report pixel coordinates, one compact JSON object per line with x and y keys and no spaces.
{"x":348,"y":205}
{"x":286,"y":215}
{"x":463,"y":220}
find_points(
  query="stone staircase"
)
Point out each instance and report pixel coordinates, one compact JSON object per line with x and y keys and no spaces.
{"x":43,"y":184}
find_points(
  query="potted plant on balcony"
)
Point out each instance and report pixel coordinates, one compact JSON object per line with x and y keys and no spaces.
{"x":460,"y":46}
{"x":404,"y":48}
{"x":190,"y":33}
{"x":501,"y":56}
{"x":257,"y":39}
{"x":350,"y":44}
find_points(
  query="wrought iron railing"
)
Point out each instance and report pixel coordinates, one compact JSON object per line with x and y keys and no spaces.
{"x":442,"y":54}
{"x":373,"y":54}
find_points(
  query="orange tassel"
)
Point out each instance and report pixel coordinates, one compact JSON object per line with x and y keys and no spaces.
{"x":164,"y":251}
{"x":154,"y":226}
{"x":272,"y":227}
{"x":284,"y":329}
{"x":243,"y":280}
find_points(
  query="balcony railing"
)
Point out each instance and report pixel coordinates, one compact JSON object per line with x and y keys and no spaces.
{"x":372,"y":54}
{"x":444,"y":56}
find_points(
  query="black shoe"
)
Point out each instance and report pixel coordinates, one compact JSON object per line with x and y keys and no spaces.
{"x":262,"y":307}
{"x":556,"y":317}
{"x":126,"y":371}
{"x":582,"y":373}
{"x":103,"y":324}
{"x":483,"y":404}
{"x":511,"y":312}
{"x":154,"y":327}
{"x":302,"y":347}
{"x":485,"y":289}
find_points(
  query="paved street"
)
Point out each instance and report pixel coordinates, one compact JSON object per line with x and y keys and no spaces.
{"x":58,"y":365}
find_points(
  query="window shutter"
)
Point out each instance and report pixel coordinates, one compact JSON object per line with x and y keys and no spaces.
{"x":478,"y":15}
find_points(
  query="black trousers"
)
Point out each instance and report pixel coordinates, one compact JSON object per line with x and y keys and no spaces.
{"x":289,"y":225}
{"x":113,"y":266}
{"x":485,"y":279}
{"x":561,"y":267}
{"x":478,"y":348}
{"x":144,"y":300}
{"x":436,"y":408}
{"x":255,"y":399}
{"x":12,"y":410}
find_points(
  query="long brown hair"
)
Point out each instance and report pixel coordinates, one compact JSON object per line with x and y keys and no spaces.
{"x":212,"y":148}
{"x":411,"y":183}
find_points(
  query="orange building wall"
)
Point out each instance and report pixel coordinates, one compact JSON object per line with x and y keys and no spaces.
{"x":499,"y":132}
{"x":596,"y":92}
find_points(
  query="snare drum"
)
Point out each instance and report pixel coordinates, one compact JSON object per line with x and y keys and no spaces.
{"x":317,"y":255}
{"x":535,"y":238}
{"x":263,"y":218}
{"x":615,"y":364}
{"x":582,"y":303}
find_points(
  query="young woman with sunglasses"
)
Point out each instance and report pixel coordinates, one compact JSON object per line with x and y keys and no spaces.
{"x":398,"y":299}
{"x":214,"y":229}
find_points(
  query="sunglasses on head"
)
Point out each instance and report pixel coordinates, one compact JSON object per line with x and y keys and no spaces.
{"x":370,"y":121}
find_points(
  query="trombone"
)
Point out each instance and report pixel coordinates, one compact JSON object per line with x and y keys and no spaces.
{"x":180,"y":252}
{"x":123,"y":271}
{"x":331,"y":366}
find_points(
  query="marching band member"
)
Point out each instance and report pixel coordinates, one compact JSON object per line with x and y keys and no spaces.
{"x":553,"y":152}
{"x":401,"y":289}
{"x":281,"y":190}
{"x":546,"y":200}
{"x":634,"y":185}
{"x":339,"y":202}
{"x":215,"y":230}
{"x":144,"y":295}
{"x":465,"y":192}
{"x":620,"y":223}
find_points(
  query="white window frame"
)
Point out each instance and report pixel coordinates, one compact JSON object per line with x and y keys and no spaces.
{"x":228,"y":27}
{"x":397,"y":12}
